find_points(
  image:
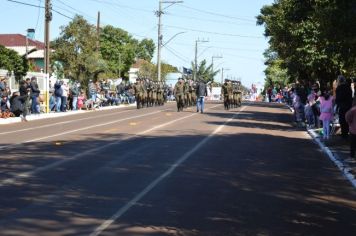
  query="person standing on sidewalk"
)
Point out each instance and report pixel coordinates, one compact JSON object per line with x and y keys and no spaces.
{"x":24,"y":90}
{"x":351,"y":120}
{"x":35,"y":93}
{"x":201,"y":93}
{"x":74,"y":90}
{"x":343,"y":101}
{"x":326,"y":112}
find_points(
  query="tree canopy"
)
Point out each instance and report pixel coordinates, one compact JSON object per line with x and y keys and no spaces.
{"x":76,"y":50}
{"x":149,"y":70}
{"x":205,"y":72}
{"x":310,"y":40}
{"x":12,"y":62}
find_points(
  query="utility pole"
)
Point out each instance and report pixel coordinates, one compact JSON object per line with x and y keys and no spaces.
{"x":222,"y":74}
{"x":159,"y":41}
{"x":159,"y":14}
{"x":212,"y":63}
{"x":48,"y":19}
{"x":98,"y":33}
{"x":196,"y":57}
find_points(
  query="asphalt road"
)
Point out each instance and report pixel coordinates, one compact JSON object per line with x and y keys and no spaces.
{"x":156,"y":171}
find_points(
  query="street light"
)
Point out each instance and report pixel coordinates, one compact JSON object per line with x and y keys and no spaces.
{"x":212,"y":63}
{"x":222,"y":73}
{"x":172,"y":38}
{"x":160,"y":36}
{"x":196,"y":57}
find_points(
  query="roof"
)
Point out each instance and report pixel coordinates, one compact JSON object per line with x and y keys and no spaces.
{"x":18,"y":40}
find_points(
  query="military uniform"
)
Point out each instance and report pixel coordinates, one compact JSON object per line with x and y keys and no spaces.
{"x":226,"y":91}
{"x":139,"y":93}
{"x":178,"y":92}
{"x":239,"y":94}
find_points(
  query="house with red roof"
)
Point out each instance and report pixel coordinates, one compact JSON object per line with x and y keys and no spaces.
{"x":24,"y":45}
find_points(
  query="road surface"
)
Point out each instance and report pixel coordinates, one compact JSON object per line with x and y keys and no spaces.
{"x":156,"y":171}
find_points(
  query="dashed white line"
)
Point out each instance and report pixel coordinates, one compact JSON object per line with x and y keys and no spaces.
{"x":85,"y":153}
{"x":154,"y":183}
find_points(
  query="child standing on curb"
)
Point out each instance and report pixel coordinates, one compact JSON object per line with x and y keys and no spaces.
{"x":326,"y":112}
{"x":351,"y":120}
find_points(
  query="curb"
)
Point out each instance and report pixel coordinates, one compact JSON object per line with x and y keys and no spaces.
{"x":13,"y":120}
{"x":334,"y":157}
{"x":343,"y":167}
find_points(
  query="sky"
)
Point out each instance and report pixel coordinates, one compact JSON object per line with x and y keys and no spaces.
{"x":226,"y":30}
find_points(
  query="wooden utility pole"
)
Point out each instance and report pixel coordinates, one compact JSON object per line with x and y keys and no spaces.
{"x":98,"y":33}
{"x":159,"y":14}
{"x":48,"y":19}
{"x":159,"y":41}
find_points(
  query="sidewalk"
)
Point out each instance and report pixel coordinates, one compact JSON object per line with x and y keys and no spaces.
{"x":12,"y":120}
{"x":338,"y":150}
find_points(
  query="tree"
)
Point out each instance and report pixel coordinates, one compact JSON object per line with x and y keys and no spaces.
{"x":120,"y":49}
{"x":12,"y":62}
{"x":205,"y":72}
{"x":149,"y":70}
{"x":145,"y":49}
{"x":313,"y":40}
{"x":75,"y":50}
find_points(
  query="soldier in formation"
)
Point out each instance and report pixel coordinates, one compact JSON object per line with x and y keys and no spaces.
{"x":237,"y":93}
{"x":179,"y":93}
{"x":227,"y":93}
{"x":150,"y":93}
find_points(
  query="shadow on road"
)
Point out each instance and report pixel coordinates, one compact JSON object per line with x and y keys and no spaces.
{"x":241,"y":184}
{"x":245,"y":183}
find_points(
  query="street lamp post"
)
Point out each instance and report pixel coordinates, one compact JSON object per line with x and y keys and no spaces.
{"x":196,"y":57}
{"x":159,"y":13}
{"x":222,"y":73}
{"x":212,"y":63}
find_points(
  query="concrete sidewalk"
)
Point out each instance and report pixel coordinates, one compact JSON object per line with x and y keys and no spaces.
{"x":11,"y":120}
{"x":338,"y":151}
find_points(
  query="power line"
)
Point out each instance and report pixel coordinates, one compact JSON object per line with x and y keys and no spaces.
{"x":217,"y":14}
{"x":176,"y":55}
{"x":32,"y":5}
{"x":75,"y":10}
{"x":27,"y":4}
{"x":123,"y":6}
{"x":216,"y":33}
{"x":39,"y":13}
{"x":210,"y":20}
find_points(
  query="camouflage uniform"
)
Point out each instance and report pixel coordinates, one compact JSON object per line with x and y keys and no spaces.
{"x":178,"y":92}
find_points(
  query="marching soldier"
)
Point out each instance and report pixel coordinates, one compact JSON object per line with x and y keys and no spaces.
{"x":239,"y":94}
{"x":178,"y":92}
{"x":193,"y":87}
{"x":234,"y":92}
{"x":226,"y":91}
{"x":139,"y":92}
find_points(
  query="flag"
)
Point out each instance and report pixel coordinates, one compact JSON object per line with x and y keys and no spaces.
{"x":187,"y":71}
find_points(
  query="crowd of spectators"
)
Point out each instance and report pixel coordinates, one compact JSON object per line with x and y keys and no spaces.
{"x":328,"y":107}
{"x":63,"y":96}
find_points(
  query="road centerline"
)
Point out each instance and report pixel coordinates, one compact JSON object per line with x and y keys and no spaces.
{"x":100,"y":229}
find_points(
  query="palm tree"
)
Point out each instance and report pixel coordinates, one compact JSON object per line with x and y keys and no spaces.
{"x":205,"y":72}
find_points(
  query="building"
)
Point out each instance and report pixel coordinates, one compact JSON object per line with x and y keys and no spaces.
{"x":23,"y":45}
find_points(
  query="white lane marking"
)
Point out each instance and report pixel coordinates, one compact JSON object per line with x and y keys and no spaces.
{"x":61,"y":123}
{"x":345,"y":169}
{"x":76,"y":130}
{"x":88,"y":152}
{"x":154,"y":183}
